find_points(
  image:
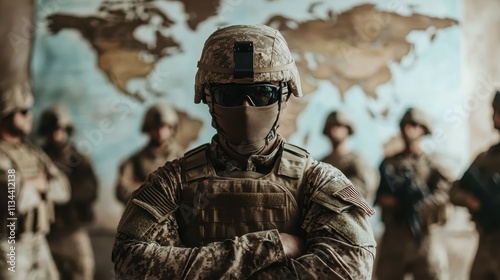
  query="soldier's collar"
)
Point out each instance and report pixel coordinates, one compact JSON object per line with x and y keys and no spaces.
{"x":254,"y":163}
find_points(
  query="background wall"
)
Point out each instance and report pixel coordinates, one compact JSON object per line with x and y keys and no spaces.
{"x":16,"y":29}
{"x":107,"y":61}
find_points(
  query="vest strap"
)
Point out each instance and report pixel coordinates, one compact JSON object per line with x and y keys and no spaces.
{"x":195,"y":164}
{"x":293,"y":161}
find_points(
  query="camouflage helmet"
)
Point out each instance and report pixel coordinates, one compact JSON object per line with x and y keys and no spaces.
{"x":158,"y":115}
{"x":54,"y":118}
{"x":338,"y":118}
{"x":496,"y":101}
{"x":416,"y":116}
{"x":272,"y":60}
{"x":17,"y":97}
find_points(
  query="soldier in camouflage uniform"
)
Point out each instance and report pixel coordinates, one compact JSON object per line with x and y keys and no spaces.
{"x":413,"y":195}
{"x":68,"y":239}
{"x":38,"y":185}
{"x":479,"y":191}
{"x":160,"y":124}
{"x":338,"y":127}
{"x":247,"y":205}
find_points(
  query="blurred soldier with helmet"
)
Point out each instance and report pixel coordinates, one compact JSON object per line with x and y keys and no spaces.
{"x":68,"y":239}
{"x":247,"y":205}
{"x":413,"y":195}
{"x":338,"y":127}
{"x":160,"y":124}
{"x":479,"y":191}
{"x":38,"y":185}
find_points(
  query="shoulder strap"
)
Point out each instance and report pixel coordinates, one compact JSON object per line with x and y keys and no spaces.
{"x":194,"y":163}
{"x":293,"y":161}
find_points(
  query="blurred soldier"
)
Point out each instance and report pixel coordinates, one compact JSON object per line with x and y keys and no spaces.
{"x":413,"y":195}
{"x":248,"y":203}
{"x":160,"y":124}
{"x":479,"y":191}
{"x":338,"y":127}
{"x":68,"y":239}
{"x":38,"y":184}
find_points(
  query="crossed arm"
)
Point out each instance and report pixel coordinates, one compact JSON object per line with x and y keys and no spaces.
{"x":339,"y":245}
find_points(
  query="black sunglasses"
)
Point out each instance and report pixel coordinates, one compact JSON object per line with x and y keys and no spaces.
{"x":24,"y":112}
{"x":256,"y":94}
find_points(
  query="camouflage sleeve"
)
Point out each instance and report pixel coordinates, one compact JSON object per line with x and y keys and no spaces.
{"x":59,"y":188}
{"x":440,"y":184}
{"x":384,"y":186}
{"x":148,"y":247}
{"x":457,"y":191}
{"x":83,"y":180}
{"x":126,"y":184}
{"x":340,"y":242}
{"x":26,"y":198}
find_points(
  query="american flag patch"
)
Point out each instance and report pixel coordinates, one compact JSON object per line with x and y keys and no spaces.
{"x":350,"y":194}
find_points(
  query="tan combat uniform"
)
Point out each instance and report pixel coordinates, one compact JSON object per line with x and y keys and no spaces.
{"x":487,"y":261}
{"x":399,"y":252}
{"x":204,"y":197}
{"x":358,"y":171}
{"x":69,"y":240}
{"x":34,"y":212}
{"x":135,"y":169}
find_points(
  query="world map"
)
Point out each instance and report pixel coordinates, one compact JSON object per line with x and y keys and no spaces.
{"x":109,"y":60}
{"x":346,"y":49}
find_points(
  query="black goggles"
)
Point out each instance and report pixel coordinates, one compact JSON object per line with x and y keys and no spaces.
{"x":230,"y":95}
{"x":24,"y":112}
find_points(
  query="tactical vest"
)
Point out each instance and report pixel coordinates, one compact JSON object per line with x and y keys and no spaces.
{"x":215,"y":208}
{"x":29,"y":161}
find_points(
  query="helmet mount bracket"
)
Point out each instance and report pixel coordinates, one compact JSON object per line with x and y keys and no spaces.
{"x":243,"y":54}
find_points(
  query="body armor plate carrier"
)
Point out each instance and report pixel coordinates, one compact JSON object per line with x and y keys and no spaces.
{"x":214,"y":208}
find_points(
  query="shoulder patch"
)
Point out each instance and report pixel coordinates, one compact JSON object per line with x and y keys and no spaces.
{"x":135,"y":221}
{"x":351,"y":195}
{"x":152,"y":198}
{"x":194,"y":164}
{"x":339,"y":195}
{"x":354,"y":227}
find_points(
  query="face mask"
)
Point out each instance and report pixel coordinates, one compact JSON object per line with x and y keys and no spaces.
{"x":246,"y":127}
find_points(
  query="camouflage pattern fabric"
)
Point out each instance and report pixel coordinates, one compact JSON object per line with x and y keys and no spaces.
{"x":487,"y":262}
{"x":358,"y":171}
{"x":399,"y":253}
{"x":33,"y":262}
{"x":34,"y":212}
{"x":339,"y":118}
{"x":17,"y":97}
{"x":69,"y":241}
{"x":159,"y":114}
{"x":419,"y":117}
{"x":340,"y":242}
{"x":273,"y":61}
{"x":135,"y":169}
{"x":73,"y":254}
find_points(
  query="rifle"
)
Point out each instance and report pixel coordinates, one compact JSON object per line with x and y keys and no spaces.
{"x":409,"y":191}
{"x":487,"y":190}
